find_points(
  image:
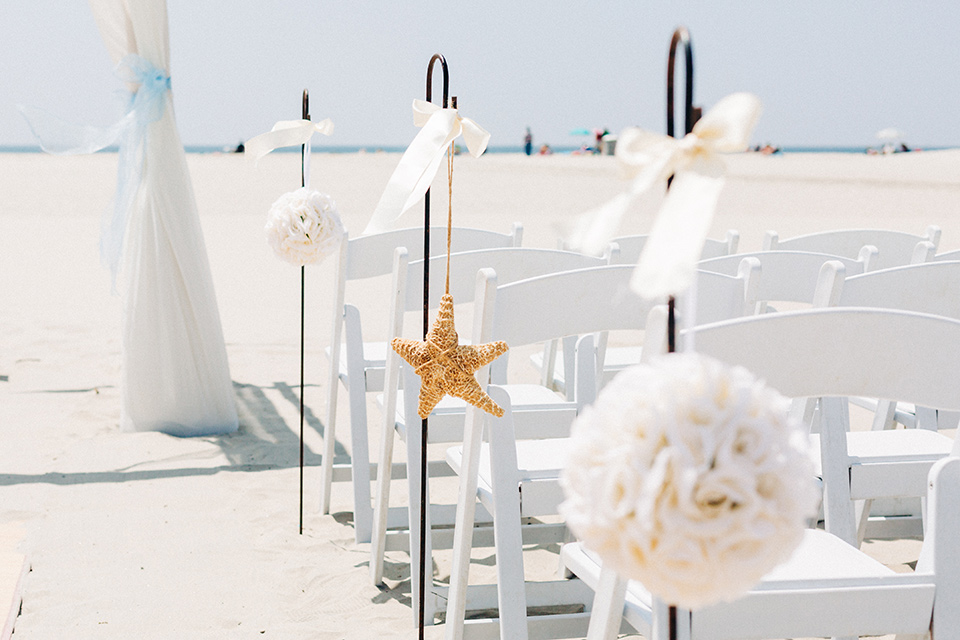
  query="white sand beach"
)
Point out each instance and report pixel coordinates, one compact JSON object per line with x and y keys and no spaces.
{"x":149,"y":536}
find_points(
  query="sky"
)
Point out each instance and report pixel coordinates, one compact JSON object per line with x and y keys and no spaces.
{"x":829,"y":72}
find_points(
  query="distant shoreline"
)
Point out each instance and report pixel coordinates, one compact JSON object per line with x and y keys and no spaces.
{"x":207,"y":149}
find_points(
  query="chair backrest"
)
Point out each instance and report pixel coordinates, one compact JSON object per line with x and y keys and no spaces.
{"x":789,"y":276}
{"x":840,"y":352}
{"x":895,"y":248}
{"x":587,"y":301}
{"x":372,"y":255}
{"x":933,"y":287}
{"x":947,"y":255}
{"x":631,"y":246}
{"x":511,"y":264}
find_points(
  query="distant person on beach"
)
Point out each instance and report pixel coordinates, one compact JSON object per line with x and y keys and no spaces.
{"x":545,"y":150}
{"x":528,"y":142}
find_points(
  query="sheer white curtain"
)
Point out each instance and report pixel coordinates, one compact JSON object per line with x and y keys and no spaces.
{"x":175,"y":377}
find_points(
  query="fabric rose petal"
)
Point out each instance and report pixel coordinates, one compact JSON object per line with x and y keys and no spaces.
{"x":421,"y":160}
{"x":689,"y":476}
{"x":668,"y":261}
{"x":303,"y":227}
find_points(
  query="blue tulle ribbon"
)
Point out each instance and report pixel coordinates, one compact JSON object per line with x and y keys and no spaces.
{"x":146,"y":104}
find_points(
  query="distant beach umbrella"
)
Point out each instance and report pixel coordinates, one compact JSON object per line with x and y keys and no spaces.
{"x":890,"y":134}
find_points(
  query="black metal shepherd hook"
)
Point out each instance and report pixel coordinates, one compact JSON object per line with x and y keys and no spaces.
{"x":303,"y":279}
{"x":426,"y":326}
{"x":691,"y":115}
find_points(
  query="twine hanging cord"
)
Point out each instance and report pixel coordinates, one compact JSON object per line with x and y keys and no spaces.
{"x":446,"y":288}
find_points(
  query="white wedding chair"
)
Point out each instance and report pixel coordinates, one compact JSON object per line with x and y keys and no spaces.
{"x":896,"y":248}
{"x":932,"y":288}
{"x":826,"y":589}
{"x":391,"y":526}
{"x":358,"y":365}
{"x":515,"y":475}
{"x":631,"y":246}
{"x":710,"y":304}
{"x":789,"y":276}
{"x":849,"y":352}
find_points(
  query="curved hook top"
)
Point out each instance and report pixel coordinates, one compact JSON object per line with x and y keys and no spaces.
{"x":446,"y":79}
{"x":680,"y":36}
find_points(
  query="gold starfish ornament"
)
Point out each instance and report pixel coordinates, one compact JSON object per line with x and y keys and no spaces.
{"x":447,"y":368}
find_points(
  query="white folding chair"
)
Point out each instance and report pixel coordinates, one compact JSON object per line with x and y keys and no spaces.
{"x":896,"y":248}
{"x":789,"y":276}
{"x":925,"y":288}
{"x":826,"y":589}
{"x":947,"y":255}
{"x":515,"y":475}
{"x":850,"y":352}
{"x":711,"y":304}
{"x":358,"y":365}
{"x":390,"y":530}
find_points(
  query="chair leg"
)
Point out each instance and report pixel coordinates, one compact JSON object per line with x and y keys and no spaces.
{"x":413,"y":483}
{"x":381,"y":504}
{"x":507,"y":536}
{"x":359,"y":447}
{"x":463,"y":529}
{"x":607,"y":609}
{"x":329,"y":429}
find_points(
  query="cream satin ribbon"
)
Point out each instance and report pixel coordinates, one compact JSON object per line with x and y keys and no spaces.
{"x":421,"y":160}
{"x":668,"y":261}
{"x":288,"y":133}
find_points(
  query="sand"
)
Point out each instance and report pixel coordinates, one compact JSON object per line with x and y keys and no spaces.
{"x":149,"y":536}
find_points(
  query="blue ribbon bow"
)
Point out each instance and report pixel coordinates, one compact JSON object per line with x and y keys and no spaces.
{"x":146,"y":105}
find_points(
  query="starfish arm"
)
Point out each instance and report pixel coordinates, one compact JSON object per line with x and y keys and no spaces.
{"x":471,"y":358}
{"x":429,"y":397}
{"x":469,"y":389}
{"x":410,"y":350}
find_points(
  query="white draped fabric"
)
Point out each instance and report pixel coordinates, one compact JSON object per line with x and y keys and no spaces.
{"x":175,"y":377}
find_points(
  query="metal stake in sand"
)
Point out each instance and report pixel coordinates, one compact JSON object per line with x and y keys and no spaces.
{"x":690,"y":117}
{"x":303,"y":279}
{"x":426,"y":327}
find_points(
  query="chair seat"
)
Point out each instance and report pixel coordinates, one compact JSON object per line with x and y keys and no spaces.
{"x":538,"y":463}
{"x":822,"y":563}
{"x":374,"y":362}
{"x":892,"y":463}
{"x":615,"y":360}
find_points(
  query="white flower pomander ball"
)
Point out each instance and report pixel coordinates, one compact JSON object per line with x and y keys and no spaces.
{"x":688,"y":475}
{"x":304,"y":227}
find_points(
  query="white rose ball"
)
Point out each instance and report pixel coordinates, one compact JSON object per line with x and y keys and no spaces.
{"x":688,"y":476}
{"x":304,"y":227}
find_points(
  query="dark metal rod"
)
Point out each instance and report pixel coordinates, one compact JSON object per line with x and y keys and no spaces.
{"x":690,"y":115}
{"x":426,"y":327}
{"x":303,"y":287}
{"x":680,"y":36}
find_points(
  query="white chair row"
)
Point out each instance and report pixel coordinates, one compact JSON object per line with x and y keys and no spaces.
{"x":824,"y":353}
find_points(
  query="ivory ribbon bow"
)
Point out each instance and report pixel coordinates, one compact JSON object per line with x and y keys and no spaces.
{"x":286,"y":133}
{"x":421,"y":160}
{"x":668,"y":261}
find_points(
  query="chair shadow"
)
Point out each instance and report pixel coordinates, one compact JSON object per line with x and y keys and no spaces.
{"x":263,"y":442}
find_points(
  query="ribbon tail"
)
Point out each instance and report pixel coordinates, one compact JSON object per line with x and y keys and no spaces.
{"x":669,"y":259}
{"x":290,"y":133}
{"x":415,"y":172}
{"x":59,"y":137}
{"x":594,"y":230}
{"x":113,"y":225}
